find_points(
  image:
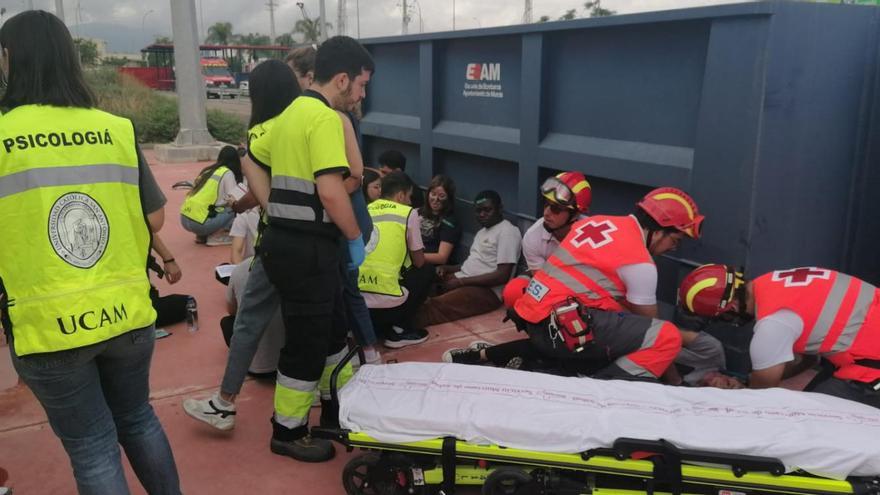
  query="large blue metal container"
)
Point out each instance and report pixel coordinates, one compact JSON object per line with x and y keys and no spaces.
{"x":767,"y":113}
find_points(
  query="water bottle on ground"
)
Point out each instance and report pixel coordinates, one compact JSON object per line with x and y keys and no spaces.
{"x":192,"y":315}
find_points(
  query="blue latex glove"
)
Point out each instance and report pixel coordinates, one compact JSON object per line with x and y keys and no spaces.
{"x":356,"y":253}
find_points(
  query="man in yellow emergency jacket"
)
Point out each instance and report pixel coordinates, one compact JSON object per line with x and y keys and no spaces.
{"x":75,"y":294}
{"x":395,"y":245}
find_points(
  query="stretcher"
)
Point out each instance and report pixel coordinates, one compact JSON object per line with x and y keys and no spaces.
{"x":429,"y":428}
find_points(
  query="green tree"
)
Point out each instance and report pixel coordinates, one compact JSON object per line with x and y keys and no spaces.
{"x":544,"y":18}
{"x":88,"y":51}
{"x":163,"y":40}
{"x":568,"y":15}
{"x":285,"y":39}
{"x":256,"y":39}
{"x":310,"y":29}
{"x":220,"y":33}
{"x":594,"y":9}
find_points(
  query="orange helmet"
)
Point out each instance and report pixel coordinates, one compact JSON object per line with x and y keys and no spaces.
{"x":710,"y":290}
{"x":671,"y":207}
{"x":570,"y":190}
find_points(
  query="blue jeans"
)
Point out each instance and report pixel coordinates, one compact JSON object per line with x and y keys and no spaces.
{"x":355,"y":306}
{"x":222,"y":220}
{"x":259,"y":303}
{"x":97,"y":397}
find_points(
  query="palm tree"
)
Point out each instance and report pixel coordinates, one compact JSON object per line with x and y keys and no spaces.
{"x":220,"y":33}
{"x":310,"y":29}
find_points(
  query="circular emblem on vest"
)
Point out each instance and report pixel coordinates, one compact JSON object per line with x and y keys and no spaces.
{"x":78,"y":229}
{"x":373,"y":242}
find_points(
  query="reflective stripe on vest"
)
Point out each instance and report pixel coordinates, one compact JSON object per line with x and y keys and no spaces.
{"x":66,"y":176}
{"x":821,"y":338}
{"x":585,"y":266}
{"x":833,"y":306}
{"x":197,"y":206}
{"x":75,"y":272}
{"x":387,"y":251}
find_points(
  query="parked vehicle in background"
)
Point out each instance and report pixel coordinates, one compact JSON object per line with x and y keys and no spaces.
{"x":218,"y":79}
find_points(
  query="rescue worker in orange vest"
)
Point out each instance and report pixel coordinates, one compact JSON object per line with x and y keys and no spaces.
{"x":605,"y":263}
{"x":801,"y":311}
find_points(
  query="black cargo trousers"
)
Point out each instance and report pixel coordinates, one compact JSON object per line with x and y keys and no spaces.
{"x":304,"y":268}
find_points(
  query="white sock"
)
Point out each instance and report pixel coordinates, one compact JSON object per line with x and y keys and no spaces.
{"x":219,"y":402}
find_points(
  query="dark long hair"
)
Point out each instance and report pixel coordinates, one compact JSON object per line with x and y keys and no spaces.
{"x":43,"y":63}
{"x":448,"y":185}
{"x":273,"y":87}
{"x":228,"y":158}
{"x":370,"y":175}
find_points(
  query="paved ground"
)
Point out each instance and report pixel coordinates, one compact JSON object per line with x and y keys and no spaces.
{"x":184,"y":365}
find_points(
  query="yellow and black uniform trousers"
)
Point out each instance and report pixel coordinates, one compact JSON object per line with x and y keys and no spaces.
{"x":74,"y":172}
{"x":300,"y":251}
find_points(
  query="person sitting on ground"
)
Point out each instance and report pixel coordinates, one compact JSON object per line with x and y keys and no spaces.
{"x":395,"y":245}
{"x":440,"y":230}
{"x":474,"y":287}
{"x":567,"y":197}
{"x":391,"y":161}
{"x":372,"y":186}
{"x":802,"y":313}
{"x":171,"y":308}
{"x":205,"y":212}
{"x":244,"y":234}
{"x":265,"y":360}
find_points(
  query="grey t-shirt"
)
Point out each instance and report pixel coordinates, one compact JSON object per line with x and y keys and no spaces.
{"x":151,"y":196}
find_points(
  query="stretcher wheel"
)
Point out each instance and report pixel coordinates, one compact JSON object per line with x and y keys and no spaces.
{"x":375,"y":474}
{"x":506,"y":481}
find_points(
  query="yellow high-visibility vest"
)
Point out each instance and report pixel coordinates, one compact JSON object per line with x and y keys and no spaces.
{"x":197,"y":207}
{"x":387,"y":252}
{"x":73,"y":264}
{"x":307,"y":140}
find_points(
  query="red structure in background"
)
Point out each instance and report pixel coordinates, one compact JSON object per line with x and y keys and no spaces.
{"x":161,"y":78}
{"x":161,"y":56}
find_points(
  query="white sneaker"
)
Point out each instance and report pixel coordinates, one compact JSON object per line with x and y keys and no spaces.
{"x":219,"y":240}
{"x":479,"y":345}
{"x":206,"y":411}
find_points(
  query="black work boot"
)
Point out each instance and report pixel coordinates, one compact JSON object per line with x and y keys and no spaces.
{"x":329,"y":414}
{"x":298,"y":444}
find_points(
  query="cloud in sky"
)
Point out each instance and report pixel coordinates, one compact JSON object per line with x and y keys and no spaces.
{"x":377,"y":17}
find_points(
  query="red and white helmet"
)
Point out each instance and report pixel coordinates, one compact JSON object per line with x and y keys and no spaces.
{"x":710,"y":290}
{"x":672,"y":207}
{"x":569,"y":190}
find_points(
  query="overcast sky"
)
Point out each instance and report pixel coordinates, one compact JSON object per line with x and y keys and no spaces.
{"x":377,"y":17}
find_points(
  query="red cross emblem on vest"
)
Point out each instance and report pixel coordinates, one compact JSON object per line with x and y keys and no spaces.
{"x":597,"y":234}
{"x":800,"y":277}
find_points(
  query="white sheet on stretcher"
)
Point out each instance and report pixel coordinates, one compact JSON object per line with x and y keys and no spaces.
{"x":407,"y":402}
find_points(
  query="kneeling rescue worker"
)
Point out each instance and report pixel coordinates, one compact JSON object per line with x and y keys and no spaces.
{"x":805,"y":311}
{"x":605,"y":263}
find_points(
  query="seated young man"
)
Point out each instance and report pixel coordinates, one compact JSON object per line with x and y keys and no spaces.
{"x":394,"y":246}
{"x":475,"y":287}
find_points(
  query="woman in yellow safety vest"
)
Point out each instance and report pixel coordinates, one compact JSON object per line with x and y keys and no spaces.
{"x":206,"y":210}
{"x":79,"y":204}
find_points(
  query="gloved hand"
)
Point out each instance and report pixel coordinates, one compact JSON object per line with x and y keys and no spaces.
{"x":356,"y":253}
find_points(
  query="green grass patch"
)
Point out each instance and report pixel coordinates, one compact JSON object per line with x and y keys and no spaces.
{"x":154,"y":115}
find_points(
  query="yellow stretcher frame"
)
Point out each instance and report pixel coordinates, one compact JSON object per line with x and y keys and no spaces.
{"x":715,"y":477}
{"x":722,"y":477}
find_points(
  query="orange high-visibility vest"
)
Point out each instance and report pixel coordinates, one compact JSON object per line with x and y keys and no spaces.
{"x":584,"y":266}
{"x":841,"y":316}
